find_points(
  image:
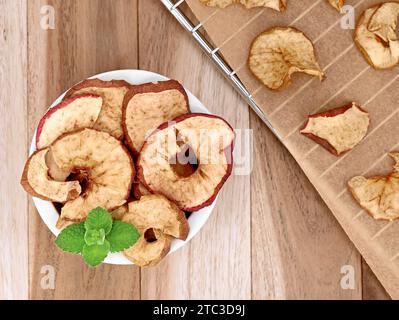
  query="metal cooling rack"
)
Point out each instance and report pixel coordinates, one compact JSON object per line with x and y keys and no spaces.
{"x":213,"y":54}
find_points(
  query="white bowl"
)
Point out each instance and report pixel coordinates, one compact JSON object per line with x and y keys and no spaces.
{"x":197,"y":219}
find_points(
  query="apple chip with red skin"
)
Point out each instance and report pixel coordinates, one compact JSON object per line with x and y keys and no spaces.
{"x":112,"y":93}
{"x":70,"y":115}
{"x":149,"y":249}
{"x":210,"y":138}
{"x":379,"y":195}
{"x":338,"y":130}
{"x":147,"y":106}
{"x":101,"y":164}
{"x":159,"y":221}
{"x":37,"y":182}
{"x":278,"y":5}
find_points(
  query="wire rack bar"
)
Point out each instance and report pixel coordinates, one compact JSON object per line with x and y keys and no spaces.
{"x":218,"y":60}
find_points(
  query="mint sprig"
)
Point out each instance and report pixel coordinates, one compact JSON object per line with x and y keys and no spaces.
{"x":97,"y":236}
{"x":122,"y":236}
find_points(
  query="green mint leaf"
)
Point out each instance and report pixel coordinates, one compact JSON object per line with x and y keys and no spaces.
{"x":122,"y":236}
{"x":94,"y":237}
{"x":71,"y":239}
{"x":97,"y":219}
{"x":95,"y":254}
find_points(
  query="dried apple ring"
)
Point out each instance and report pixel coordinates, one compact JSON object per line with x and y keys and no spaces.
{"x":37,"y":182}
{"x":101,"y":164}
{"x":158,"y":221}
{"x":376,"y":37}
{"x":211,"y":140}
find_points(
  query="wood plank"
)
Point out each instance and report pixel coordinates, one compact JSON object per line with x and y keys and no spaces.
{"x":216,"y":264}
{"x":89,"y":37}
{"x":13,"y":140}
{"x":298,"y":248}
{"x":372,"y":288}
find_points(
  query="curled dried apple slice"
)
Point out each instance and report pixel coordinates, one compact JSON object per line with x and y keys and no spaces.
{"x":149,"y":249}
{"x":379,"y":195}
{"x":156,"y":211}
{"x":338,"y":130}
{"x":376,"y":37}
{"x":147,"y":106}
{"x":36,"y":181}
{"x":70,"y":115}
{"x":278,"y":53}
{"x":337,"y":4}
{"x":208,"y":140}
{"x":278,"y":5}
{"x":101,"y":164}
{"x":112,"y":92}
{"x":158,"y":220}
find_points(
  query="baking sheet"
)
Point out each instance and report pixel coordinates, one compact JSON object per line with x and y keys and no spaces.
{"x":349,"y":78}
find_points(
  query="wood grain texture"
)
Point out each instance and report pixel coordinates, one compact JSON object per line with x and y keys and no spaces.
{"x":371,"y":287}
{"x":13,"y":138}
{"x":216,"y":263}
{"x":89,"y":37}
{"x":298,"y":246}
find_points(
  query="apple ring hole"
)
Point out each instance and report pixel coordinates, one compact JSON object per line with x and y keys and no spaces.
{"x":83,"y":176}
{"x":185,"y":163}
{"x":149,"y":235}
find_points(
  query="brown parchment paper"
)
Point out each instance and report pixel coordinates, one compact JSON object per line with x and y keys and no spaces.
{"x":349,"y":78}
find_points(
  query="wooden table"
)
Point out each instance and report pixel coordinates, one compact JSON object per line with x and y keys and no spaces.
{"x":271,"y":236}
